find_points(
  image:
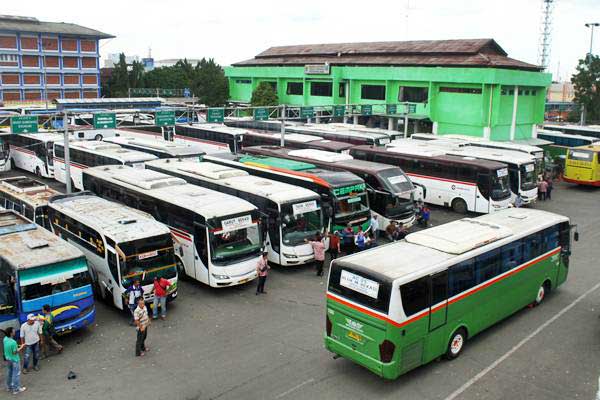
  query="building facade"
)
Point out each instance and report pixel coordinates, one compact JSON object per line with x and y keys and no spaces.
{"x":47,"y":60}
{"x":461,"y":86}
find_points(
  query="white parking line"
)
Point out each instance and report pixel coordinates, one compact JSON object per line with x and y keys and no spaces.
{"x":493,"y":365}
{"x":279,"y":396}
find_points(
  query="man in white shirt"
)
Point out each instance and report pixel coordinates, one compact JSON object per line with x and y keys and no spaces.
{"x":375,"y":227}
{"x":30,"y":333}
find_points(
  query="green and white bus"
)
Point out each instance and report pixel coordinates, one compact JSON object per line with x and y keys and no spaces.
{"x":402,"y":305}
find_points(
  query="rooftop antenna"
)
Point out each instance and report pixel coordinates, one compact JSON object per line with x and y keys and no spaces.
{"x":545,"y":33}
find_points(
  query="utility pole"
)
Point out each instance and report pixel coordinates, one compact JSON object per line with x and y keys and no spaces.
{"x":282,"y":143}
{"x":67,"y":155}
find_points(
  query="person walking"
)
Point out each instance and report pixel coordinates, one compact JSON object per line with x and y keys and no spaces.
{"x":360,"y":239}
{"x":161,"y":288}
{"x":13,"y":362}
{"x":348,"y":240}
{"x":318,"y":246}
{"x":48,"y":333}
{"x":142,"y":321}
{"x":543,"y":189}
{"x":134,"y":292}
{"x":30,"y":333}
{"x":334,"y":245}
{"x":549,"y":187}
{"x":375,"y":227}
{"x":262,"y":270}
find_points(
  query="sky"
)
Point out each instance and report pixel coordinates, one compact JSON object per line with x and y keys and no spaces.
{"x":235,"y":30}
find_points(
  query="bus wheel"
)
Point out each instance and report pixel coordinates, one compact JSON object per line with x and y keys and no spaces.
{"x":456,"y":344}
{"x":98,"y":137}
{"x":542,"y":292}
{"x":459,"y":206}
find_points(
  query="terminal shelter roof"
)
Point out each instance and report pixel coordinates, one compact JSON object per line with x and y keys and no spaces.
{"x":451,"y":53}
{"x":28,"y":24}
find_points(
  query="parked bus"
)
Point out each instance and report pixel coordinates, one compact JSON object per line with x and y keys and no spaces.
{"x":217,"y":236}
{"x":293,"y":213}
{"x":92,"y":134}
{"x":27,"y":197}
{"x":344,"y":197}
{"x":392,"y":134}
{"x":120,"y":243}
{"x":562,"y":142}
{"x":463,"y":183}
{"x":158,"y":147}
{"x":521,"y":166}
{"x":86,"y":154}
{"x":39,"y":268}
{"x":294,"y":141}
{"x":4,"y":153}
{"x":399,"y":306}
{"x":391,"y":192}
{"x":582,"y":165}
{"x":33,"y":152}
{"x":588,"y":130}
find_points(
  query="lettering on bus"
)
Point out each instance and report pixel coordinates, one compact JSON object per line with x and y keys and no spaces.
{"x":236,"y":223}
{"x":359,"y":187}
{"x":502,"y":172}
{"x":303,"y":208}
{"x":359,"y":284}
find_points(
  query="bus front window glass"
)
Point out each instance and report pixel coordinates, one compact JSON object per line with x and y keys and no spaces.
{"x":298,"y":226}
{"x":233,"y":245}
{"x":351,"y":205}
{"x":143,"y":256}
{"x":57,"y":278}
{"x":528,"y":177}
{"x":500,"y":185}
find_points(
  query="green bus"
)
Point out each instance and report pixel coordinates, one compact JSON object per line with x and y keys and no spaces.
{"x":402,"y":305}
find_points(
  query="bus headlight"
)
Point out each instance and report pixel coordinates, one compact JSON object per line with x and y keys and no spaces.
{"x":216,"y":276}
{"x":289,"y":255}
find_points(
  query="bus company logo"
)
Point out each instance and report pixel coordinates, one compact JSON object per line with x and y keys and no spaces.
{"x":353,"y":324}
{"x":453,"y":187}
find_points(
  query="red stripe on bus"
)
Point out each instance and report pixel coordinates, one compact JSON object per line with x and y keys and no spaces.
{"x":181,"y":236}
{"x":441,"y":179}
{"x":441,"y":306}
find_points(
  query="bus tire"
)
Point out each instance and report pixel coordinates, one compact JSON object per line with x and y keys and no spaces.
{"x":98,"y":137}
{"x":456,"y":344}
{"x":459,"y":206}
{"x":543,"y":291}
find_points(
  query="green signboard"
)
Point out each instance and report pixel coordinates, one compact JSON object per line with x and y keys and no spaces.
{"x":359,"y":187}
{"x":307,"y":112}
{"x":164,"y":118}
{"x":339,"y":111}
{"x":105,"y":121}
{"x":216,"y":115}
{"x":366,"y":109}
{"x":261,"y":114}
{"x":24,"y":124}
{"x":391,"y":109}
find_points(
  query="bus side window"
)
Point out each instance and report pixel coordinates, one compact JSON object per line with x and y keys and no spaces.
{"x":415,"y":296}
{"x":112,"y":265}
{"x":483,"y":183}
{"x":532,"y":246}
{"x":487,"y":266}
{"x":439,"y":287}
{"x":462,"y":277}
{"x":7,"y":298}
{"x":201,"y":243}
{"x":512,"y":256}
{"x":550,"y":238}
{"x":565,"y":236}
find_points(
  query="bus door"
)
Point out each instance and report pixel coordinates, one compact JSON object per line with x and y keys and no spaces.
{"x":167,"y":133}
{"x":438,"y":307}
{"x":8,"y":306}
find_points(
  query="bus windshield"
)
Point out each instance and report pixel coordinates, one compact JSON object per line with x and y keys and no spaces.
{"x":500,"y":185}
{"x":300,"y":221}
{"x":395,"y":180}
{"x":52,"y":279}
{"x":350,"y":205}
{"x":231,"y":245}
{"x":146,"y":255}
{"x":528,"y":177}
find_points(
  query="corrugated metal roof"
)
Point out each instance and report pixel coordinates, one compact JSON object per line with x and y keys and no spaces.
{"x":452,"y":53}
{"x":24,"y":24}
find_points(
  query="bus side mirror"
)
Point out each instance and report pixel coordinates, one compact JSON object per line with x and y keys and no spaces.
{"x":576,"y":236}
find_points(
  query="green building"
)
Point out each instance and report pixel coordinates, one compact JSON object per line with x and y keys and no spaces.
{"x":458,"y":86}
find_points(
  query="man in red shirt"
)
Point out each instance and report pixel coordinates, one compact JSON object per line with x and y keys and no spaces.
{"x":161,"y":287}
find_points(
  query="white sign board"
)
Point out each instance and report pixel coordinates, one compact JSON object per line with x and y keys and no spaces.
{"x":359,"y":284}
{"x":529,"y":167}
{"x":397,"y":179}
{"x":302,"y":208}
{"x":502,"y":172}
{"x":316,"y":69}
{"x":233,"y":224}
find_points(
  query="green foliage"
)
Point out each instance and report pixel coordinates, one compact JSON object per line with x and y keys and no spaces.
{"x":264,"y":95}
{"x":210,"y":84}
{"x":586,"y":82}
{"x":119,"y":80}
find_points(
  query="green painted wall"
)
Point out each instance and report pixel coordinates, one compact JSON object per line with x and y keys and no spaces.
{"x":452,"y":111}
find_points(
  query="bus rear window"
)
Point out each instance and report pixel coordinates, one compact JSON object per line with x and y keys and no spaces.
{"x":581,"y":155}
{"x":359,"y":286}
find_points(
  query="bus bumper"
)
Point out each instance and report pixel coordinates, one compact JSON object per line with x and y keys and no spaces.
{"x":581,"y":182}
{"x":81,"y":322}
{"x":385,"y":370}
{"x":299,"y":260}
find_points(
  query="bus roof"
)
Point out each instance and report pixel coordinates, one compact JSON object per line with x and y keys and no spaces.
{"x":217,"y":128}
{"x":176,"y":191}
{"x":112,"y":150}
{"x":595,"y":147}
{"x":479,"y":142}
{"x":172,"y":148}
{"x":32,"y":192}
{"x":119,"y":222}
{"x":44,"y":136}
{"x":325,"y":128}
{"x":316,"y":141}
{"x":567,"y":135}
{"x":364,"y":128}
{"x":588,"y":128}
{"x":430,"y":250}
{"x":26,"y":245}
{"x":235,"y":178}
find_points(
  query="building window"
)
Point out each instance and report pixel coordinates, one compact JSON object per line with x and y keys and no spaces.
{"x":372,"y":92}
{"x":342,"y":89}
{"x":9,"y":58}
{"x":321,"y":89}
{"x":460,"y":90}
{"x":243,"y":81}
{"x":413,"y":94}
{"x":295,"y":88}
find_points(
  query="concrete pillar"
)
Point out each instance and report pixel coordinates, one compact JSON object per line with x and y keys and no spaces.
{"x":355,"y":119}
{"x":487,"y":132}
{"x":345,"y":119}
{"x":434,"y":128}
{"x":513,"y":124}
{"x":391,"y":123}
{"x":317,"y":119}
{"x":534,"y":131}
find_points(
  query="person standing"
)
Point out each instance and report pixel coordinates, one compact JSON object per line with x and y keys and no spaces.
{"x":161,"y":288}
{"x":134,"y":292}
{"x":348,"y":240}
{"x":30,"y":333}
{"x":48,"y":333}
{"x":519,"y":201}
{"x":13,"y":362}
{"x":360,"y":239}
{"x":543,"y":189}
{"x":390,"y":231}
{"x":142,"y":321}
{"x":549,"y":187}
{"x":334,"y":245}
{"x":318,"y":246}
{"x":262,"y":270}
{"x":375,"y":227}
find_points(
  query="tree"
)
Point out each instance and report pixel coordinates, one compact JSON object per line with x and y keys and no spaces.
{"x":586,"y":82}
{"x":264,"y":95}
{"x":119,"y":80}
{"x":136,"y":75}
{"x":210,"y":84}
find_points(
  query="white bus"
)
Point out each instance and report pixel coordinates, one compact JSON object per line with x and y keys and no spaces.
{"x":120,"y":243}
{"x":356,"y":137}
{"x":218,"y":236}
{"x":521,"y":166}
{"x":92,"y":134}
{"x":85,"y":154}
{"x":27,"y":197}
{"x":463,"y":183}
{"x":158,"y":147}
{"x":33,"y":152}
{"x":363,"y":128}
{"x":293,"y":213}
{"x":4,"y":153}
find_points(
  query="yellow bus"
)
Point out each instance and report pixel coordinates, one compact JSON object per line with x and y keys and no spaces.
{"x":583,"y":165}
